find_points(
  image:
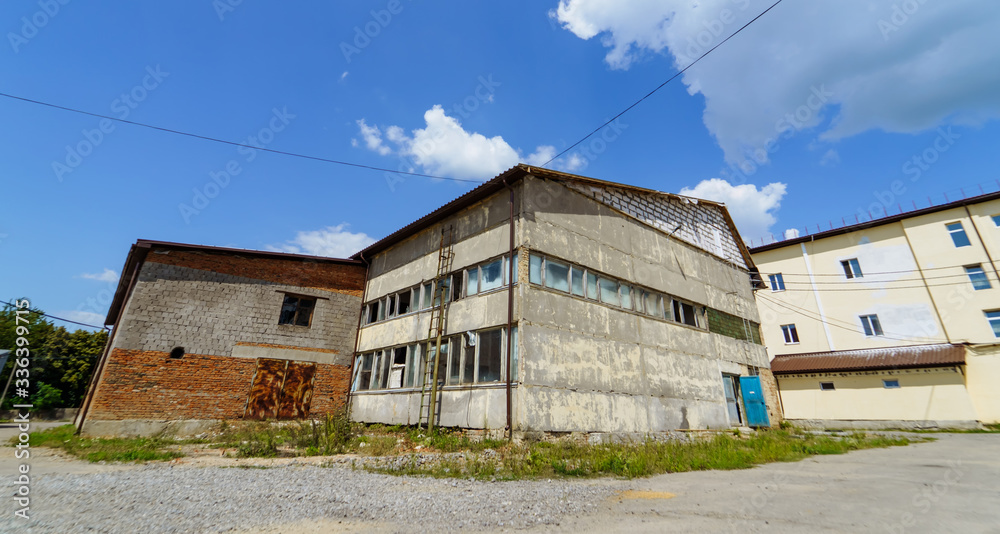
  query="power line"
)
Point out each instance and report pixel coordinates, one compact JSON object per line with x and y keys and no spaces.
{"x":196,"y":136}
{"x":649,"y":94}
{"x":39,"y":312}
{"x":866,"y":280}
{"x":807,"y":315}
{"x":906,"y":271}
{"x":828,"y":289}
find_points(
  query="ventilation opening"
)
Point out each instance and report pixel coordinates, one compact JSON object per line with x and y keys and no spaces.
{"x":177,"y":353}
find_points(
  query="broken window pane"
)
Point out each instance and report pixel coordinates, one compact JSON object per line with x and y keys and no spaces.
{"x":304,"y":313}
{"x":456,"y":286}
{"x":381,"y":310}
{"x":469,"y":366}
{"x":591,"y":285}
{"x":535,"y":269}
{"x":403,"y":302}
{"x":609,"y":291}
{"x":626,"y":297}
{"x":556,"y":275}
{"x":392,"y":306}
{"x":378,"y":379}
{"x":472,"y":285}
{"x":365,"y":376}
{"x":288,"y":310}
{"x":576,"y":278}
{"x":492,"y":275}
{"x":489,"y":356}
{"x":442,"y":363}
{"x":455,"y":367}
{"x":398,"y":368}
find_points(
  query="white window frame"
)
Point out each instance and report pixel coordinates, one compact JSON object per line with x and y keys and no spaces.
{"x":982,"y":277}
{"x":790,"y":333}
{"x":852,"y":268}
{"x":952,"y":232}
{"x":871,"y":323}
{"x":777,"y":282}
{"x":993,"y":320}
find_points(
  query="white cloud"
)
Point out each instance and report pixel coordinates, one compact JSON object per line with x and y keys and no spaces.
{"x":332,"y":241}
{"x":863,"y":65}
{"x":107,"y":275}
{"x":373,"y":138}
{"x":91,"y":318}
{"x":344,"y":75}
{"x":830,"y":158}
{"x":752,"y":209}
{"x":791,"y":233}
{"x":444,"y":148}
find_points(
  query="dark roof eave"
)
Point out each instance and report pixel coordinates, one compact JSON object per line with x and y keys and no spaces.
{"x":872,"y":368}
{"x":878,"y":222}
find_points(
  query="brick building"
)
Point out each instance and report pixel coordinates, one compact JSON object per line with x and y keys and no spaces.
{"x":203,"y":334}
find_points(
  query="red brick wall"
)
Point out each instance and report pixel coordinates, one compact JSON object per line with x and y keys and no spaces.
{"x":151,"y":385}
{"x":340,"y":278}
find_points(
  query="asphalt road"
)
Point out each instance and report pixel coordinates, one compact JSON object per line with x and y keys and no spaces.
{"x":949,"y":485}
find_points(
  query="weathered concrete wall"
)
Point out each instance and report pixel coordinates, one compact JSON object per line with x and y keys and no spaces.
{"x":588,"y":366}
{"x":460,"y":406}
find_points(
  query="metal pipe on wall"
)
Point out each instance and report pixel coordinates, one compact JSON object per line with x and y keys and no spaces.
{"x":510,"y":310}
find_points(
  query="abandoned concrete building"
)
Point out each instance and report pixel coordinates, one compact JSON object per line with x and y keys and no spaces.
{"x":564,"y":304}
{"x":203,"y":334}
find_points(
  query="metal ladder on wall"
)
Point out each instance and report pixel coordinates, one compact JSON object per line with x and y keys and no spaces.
{"x":429,"y":408}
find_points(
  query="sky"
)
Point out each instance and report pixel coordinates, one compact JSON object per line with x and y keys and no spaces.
{"x":820,"y":112}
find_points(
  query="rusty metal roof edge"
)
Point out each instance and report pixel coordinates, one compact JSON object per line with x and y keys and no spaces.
{"x":518,"y":172}
{"x":825,"y":361}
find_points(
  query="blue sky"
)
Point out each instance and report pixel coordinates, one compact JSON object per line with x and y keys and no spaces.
{"x":826,"y":103}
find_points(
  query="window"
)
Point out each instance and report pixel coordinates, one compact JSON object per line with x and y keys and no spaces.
{"x":684,"y":313}
{"x":996,"y":219}
{"x":403,"y":302}
{"x":852,"y":269}
{"x":777,"y":282}
{"x":428,"y":292}
{"x":994,"y":319}
{"x":491,"y":275}
{"x":576,"y":277}
{"x":826,"y":386}
{"x":556,"y":275}
{"x":890,"y":384}
{"x":626,"y":297}
{"x":730,"y":384}
{"x":977,"y":276}
{"x":506,"y":269}
{"x":790,"y":333}
{"x":391,"y":305}
{"x":296,"y":311}
{"x":591,"y":286}
{"x":469,"y":366}
{"x":535,"y":269}
{"x":871,"y":325}
{"x":652,"y":304}
{"x":364,"y":372}
{"x":177,"y":353}
{"x":958,"y":234}
{"x":490,"y":355}
{"x":609,"y":291}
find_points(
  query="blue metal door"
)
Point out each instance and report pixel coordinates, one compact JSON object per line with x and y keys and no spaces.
{"x":753,"y":401}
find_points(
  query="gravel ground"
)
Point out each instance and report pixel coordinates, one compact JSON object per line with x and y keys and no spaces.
{"x":161,"y":498}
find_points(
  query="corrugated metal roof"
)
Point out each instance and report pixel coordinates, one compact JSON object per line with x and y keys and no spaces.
{"x":938,"y":355}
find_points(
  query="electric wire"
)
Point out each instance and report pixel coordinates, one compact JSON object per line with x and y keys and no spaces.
{"x":39,"y":312}
{"x":233,"y":143}
{"x":853,"y":328}
{"x":672,"y":78}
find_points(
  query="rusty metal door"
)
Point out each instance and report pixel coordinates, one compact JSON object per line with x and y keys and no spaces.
{"x":281,"y":390}
{"x":296,"y":394}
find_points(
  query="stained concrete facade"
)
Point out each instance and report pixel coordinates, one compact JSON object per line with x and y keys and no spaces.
{"x":192,"y":323}
{"x":581,"y":365}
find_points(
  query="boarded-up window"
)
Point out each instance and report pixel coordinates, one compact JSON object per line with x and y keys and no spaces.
{"x":281,"y":389}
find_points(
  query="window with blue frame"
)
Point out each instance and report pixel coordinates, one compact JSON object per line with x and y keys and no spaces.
{"x":978,"y":277}
{"x":994,"y":319}
{"x":852,"y":269}
{"x":777,"y":282}
{"x":871,"y":325}
{"x":958,"y":236}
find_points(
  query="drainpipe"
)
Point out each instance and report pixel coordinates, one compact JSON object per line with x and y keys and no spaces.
{"x":99,"y":370}
{"x":510,"y":308}
{"x":357,"y":335}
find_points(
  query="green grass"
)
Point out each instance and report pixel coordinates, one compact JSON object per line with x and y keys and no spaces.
{"x":723,"y":451}
{"x":104,"y":449}
{"x":987,"y":429}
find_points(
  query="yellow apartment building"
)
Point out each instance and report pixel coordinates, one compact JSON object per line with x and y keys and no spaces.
{"x":888,"y":323}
